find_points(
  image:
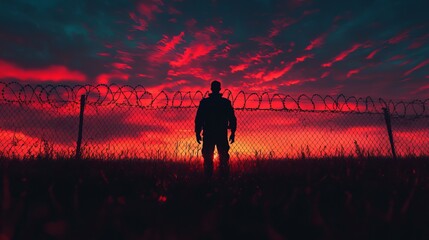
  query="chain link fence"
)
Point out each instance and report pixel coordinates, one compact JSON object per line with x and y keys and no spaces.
{"x":130,"y":122}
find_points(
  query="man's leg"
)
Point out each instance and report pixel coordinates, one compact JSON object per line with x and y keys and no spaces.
{"x":208,"y":150}
{"x":223,"y":148}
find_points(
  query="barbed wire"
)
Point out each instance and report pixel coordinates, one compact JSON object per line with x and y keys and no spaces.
{"x":126,"y":95}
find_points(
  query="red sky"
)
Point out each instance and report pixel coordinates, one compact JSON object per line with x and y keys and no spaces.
{"x":357,"y":48}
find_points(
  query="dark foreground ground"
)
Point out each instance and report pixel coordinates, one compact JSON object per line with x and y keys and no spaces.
{"x":302,"y":199}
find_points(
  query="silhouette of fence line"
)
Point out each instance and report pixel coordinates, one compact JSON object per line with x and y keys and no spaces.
{"x":102,"y":95}
{"x":125,"y":121}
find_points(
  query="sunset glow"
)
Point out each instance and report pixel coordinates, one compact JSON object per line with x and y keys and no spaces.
{"x":128,"y":131}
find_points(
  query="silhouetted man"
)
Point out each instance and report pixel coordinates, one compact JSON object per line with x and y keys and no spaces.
{"x":214,"y":116}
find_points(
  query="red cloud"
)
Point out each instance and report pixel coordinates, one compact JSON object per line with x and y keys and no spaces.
{"x":260,"y":56}
{"x":105,"y":78}
{"x":424,"y":87}
{"x":291,"y":82}
{"x":263,"y":41}
{"x":256,"y":75}
{"x":422,"y":64}
{"x":103,"y":54}
{"x":124,"y":56}
{"x":343,"y":55}
{"x":52,"y":73}
{"x":329,"y":64}
{"x":280,"y":72}
{"x":121,"y":66}
{"x":397,"y":57}
{"x":279,"y":25}
{"x":195,"y":51}
{"x":224,"y":53}
{"x":205,"y":42}
{"x":418,"y":42}
{"x":421,"y":89}
{"x":302,"y":59}
{"x":141,"y":23}
{"x":372,"y":54}
{"x":296,"y":81}
{"x":176,"y":85}
{"x":166,"y":45}
{"x":405,"y":63}
{"x":325,"y":74}
{"x":398,"y":38}
{"x":240,"y":67}
{"x":353,"y":72}
{"x":316,"y":42}
{"x":146,"y":11}
{"x":194,"y":72}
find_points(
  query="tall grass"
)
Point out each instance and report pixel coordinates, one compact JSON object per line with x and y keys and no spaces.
{"x":309,"y":198}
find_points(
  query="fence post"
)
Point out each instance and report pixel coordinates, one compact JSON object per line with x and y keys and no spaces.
{"x":79,"y":136}
{"x":389,"y":130}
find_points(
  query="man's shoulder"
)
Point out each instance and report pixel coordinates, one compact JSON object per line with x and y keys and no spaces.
{"x":226,"y":100}
{"x":203,"y":102}
{"x":223,"y":99}
{"x":214,"y":100}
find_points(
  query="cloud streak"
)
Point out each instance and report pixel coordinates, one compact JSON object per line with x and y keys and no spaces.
{"x":205,"y":42}
{"x":165,"y":46}
{"x":269,"y":76}
{"x":420,"y":65}
{"x":52,"y":73}
{"x":343,"y":55}
{"x":144,"y":13}
{"x":316,"y":43}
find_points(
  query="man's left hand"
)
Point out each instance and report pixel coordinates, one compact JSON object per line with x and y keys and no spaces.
{"x":199,"y":138}
{"x":232,"y":138}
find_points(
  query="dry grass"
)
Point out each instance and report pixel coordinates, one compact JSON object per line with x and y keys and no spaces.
{"x":329,"y":198}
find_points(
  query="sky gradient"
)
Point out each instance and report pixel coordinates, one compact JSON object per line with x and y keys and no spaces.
{"x":372,"y":47}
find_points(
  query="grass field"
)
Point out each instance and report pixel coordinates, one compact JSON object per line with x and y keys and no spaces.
{"x":329,"y":198}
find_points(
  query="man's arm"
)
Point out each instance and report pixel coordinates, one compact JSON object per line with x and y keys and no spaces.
{"x":199,"y":122}
{"x":232,"y":122}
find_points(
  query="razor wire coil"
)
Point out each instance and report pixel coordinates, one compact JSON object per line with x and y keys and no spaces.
{"x":139,"y":96}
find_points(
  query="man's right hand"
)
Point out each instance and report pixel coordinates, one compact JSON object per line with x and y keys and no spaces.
{"x":198,"y":138}
{"x":232,"y":138}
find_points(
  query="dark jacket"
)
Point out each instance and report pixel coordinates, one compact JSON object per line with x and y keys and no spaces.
{"x":215,"y":115}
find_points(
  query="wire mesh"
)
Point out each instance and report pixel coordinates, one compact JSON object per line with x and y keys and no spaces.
{"x":131,"y":122}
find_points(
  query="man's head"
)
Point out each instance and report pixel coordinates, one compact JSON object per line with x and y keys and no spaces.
{"x":215,"y":86}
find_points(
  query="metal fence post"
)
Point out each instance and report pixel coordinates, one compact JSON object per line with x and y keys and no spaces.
{"x":389,"y":130}
{"x":79,"y":136}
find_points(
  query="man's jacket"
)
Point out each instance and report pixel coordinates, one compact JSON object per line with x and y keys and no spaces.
{"x":215,"y":115}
